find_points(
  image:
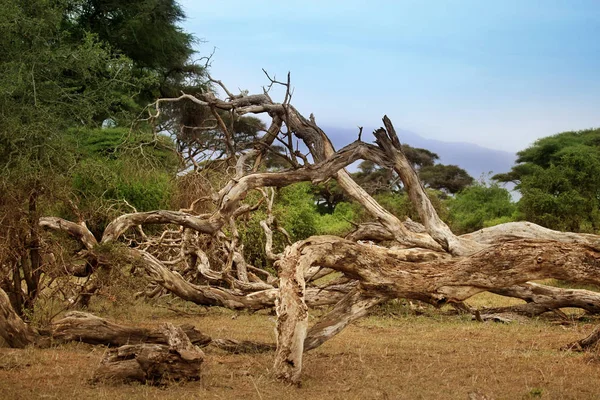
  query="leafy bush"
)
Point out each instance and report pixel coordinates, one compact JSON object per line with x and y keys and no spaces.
{"x":117,"y":166}
{"x":559,"y":179}
{"x":296,"y":210}
{"x":479,"y":206}
{"x":337,"y":223}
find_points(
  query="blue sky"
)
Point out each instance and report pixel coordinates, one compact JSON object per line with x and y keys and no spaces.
{"x":497,"y":73}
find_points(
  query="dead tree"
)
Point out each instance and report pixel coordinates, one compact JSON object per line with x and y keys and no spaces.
{"x":178,"y":360}
{"x":426,"y":261}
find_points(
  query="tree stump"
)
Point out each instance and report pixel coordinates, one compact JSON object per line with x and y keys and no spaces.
{"x":154,"y":364}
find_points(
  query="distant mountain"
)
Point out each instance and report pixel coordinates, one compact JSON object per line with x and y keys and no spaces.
{"x":476,"y":160}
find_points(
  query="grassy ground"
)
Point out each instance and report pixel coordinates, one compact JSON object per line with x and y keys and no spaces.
{"x":392,"y":355}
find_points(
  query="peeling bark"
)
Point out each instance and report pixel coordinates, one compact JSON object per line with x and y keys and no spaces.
{"x":292,"y":317}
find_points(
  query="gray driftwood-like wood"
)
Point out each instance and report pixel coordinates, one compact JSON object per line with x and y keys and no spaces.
{"x":381,"y":272}
{"x":429,"y":263}
{"x":84,"y":327}
{"x":179,"y":360}
{"x":541,"y":299}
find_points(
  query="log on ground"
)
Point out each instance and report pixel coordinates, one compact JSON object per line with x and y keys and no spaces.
{"x":88,"y":328}
{"x":155,"y":364}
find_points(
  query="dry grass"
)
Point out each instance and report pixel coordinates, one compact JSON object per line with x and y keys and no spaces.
{"x":398,"y":357}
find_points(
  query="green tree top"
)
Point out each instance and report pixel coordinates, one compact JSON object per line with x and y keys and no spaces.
{"x":548,"y":151}
{"x":559,"y":180}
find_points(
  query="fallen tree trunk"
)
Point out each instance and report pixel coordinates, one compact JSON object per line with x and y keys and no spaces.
{"x":179,"y":360}
{"x":87,"y":328}
{"x":527,"y":230}
{"x":439,"y":267}
{"x":382,"y":272}
{"x":541,"y":299}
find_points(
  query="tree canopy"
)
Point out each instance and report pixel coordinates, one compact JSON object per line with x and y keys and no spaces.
{"x":559,"y":180}
{"x":68,"y":69}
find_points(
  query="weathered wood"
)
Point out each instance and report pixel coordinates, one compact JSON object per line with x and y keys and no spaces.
{"x":352,"y":307}
{"x":528,"y":230}
{"x":236,"y":190}
{"x":15,"y":332}
{"x":179,"y":360}
{"x":78,"y":231}
{"x":589,"y":342}
{"x":434,"y":265}
{"x":383,"y":273}
{"x":88,"y":328}
{"x":217,"y":296}
{"x":292,"y":316}
{"x":543,"y":298}
{"x":388,"y":141}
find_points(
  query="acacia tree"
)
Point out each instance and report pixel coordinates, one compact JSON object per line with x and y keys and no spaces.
{"x":200,"y":257}
{"x":48,"y":84}
{"x":558,"y":177}
{"x":382,"y":182}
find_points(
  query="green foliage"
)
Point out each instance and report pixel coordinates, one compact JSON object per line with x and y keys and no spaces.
{"x":296,"y":210}
{"x":400,"y":205}
{"x":396,"y":203}
{"x":449,"y":178}
{"x":253,"y":239}
{"x":338,"y":223}
{"x":559,"y":179}
{"x":565,"y":195}
{"x":59,"y":81}
{"x":148,"y":33}
{"x":374,"y":179}
{"x":328,"y":195}
{"x":118,"y":169}
{"x":479,"y":206}
{"x":419,"y":157}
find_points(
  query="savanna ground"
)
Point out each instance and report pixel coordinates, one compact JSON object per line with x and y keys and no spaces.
{"x":397,"y":353}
